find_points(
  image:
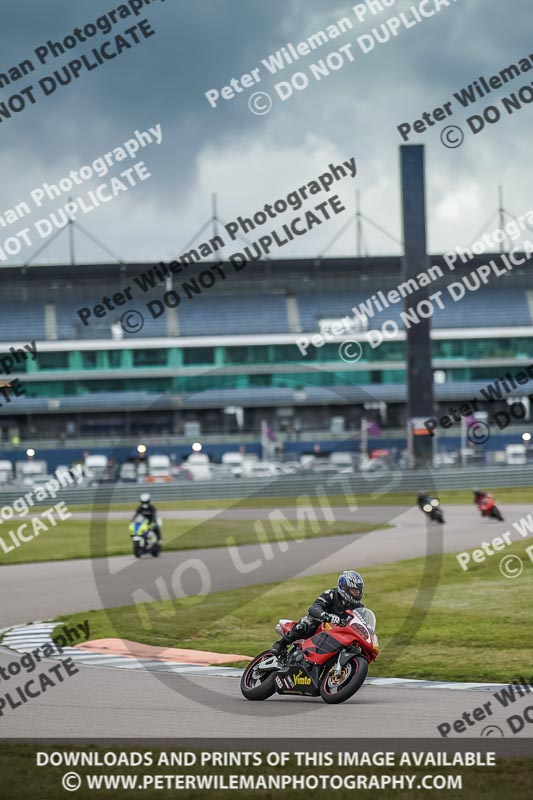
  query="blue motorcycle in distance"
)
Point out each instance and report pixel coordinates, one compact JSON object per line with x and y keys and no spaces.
{"x":144,"y":538}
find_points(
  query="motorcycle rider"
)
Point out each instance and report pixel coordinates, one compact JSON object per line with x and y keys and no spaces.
{"x":479,"y":496}
{"x":330,"y":606}
{"x":422,"y":499}
{"x":147,"y":510}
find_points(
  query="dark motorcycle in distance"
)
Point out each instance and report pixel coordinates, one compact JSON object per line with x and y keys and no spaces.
{"x":144,"y":538}
{"x":487,"y":506}
{"x":431,"y":506}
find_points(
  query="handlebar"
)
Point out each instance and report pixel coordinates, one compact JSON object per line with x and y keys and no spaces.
{"x":342,"y":624}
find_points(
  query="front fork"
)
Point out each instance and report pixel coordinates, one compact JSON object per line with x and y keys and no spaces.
{"x":342,"y":659}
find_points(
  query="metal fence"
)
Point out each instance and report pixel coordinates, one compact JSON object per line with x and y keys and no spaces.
{"x":381,"y":482}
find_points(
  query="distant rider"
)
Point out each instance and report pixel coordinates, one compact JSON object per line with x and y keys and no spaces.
{"x":423,"y":498}
{"x":479,"y":496}
{"x":147,"y":510}
{"x":330,"y":606}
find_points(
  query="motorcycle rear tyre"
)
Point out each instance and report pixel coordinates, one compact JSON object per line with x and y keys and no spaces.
{"x":265,"y":689}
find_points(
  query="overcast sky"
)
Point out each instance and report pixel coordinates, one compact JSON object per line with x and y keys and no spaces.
{"x":249,"y":160}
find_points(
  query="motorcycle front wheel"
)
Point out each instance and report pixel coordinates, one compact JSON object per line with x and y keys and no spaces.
{"x":137,"y":549}
{"x":338,"y":688}
{"x":257,"y":684}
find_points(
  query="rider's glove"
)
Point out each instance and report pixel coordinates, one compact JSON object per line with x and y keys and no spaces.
{"x":333,"y":618}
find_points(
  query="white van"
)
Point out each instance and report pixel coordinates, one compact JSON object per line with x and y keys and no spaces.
{"x":199,"y":466}
{"x":28,"y":470}
{"x":159,"y":469}
{"x":94,"y":466}
{"x":6,"y":471}
{"x":267,"y":469}
{"x":515,"y":454}
{"x":241,"y":464}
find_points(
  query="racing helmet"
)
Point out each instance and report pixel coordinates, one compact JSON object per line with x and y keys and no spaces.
{"x":145,"y":498}
{"x":350,"y":586}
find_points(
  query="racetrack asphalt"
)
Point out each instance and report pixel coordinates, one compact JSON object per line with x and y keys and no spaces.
{"x":108,"y":702}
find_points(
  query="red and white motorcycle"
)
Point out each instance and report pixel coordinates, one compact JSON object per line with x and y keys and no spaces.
{"x":332,"y":663}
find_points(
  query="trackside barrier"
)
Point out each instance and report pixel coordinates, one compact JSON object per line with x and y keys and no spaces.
{"x":294,"y":485}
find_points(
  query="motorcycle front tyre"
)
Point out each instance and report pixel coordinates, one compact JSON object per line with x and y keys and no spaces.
{"x":355,"y":681}
{"x":265,"y":689}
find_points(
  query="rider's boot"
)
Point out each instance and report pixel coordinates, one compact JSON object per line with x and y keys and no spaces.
{"x":278,"y":647}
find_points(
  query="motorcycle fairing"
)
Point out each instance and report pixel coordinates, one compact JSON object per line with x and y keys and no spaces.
{"x":303,"y":679}
{"x":321,"y":643}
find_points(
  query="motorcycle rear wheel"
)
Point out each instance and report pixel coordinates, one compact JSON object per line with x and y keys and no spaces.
{"x":260,"y":687}
{"x":337,"y":690}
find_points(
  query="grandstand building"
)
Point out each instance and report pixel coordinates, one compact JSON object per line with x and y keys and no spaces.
{"x":235,"y":343}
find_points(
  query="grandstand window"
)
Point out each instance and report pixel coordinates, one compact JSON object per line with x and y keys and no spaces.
{"x":52,"y":361}
{"x":387,"y":351}
{"x":285,"y":353}
{"x":396,"y":376}
{"x":482,"y":348}
{"x":448,"y":349}
{"x":317,"y":378}
{"x":328,"y":352}
{"x":150,"y":358}
{"x":198,"y":356}
{"x":88,"y":359}
{"x":138,"y":385}
{"x":251,"y":355}
{"x":205,"y":382}
{"x":48,"y":390}
{"x":93,"y":387}
{"x":491,"y":348}
{"x":259,"y":380}
{"x":459,"y":374}
{"x":114,"y":358}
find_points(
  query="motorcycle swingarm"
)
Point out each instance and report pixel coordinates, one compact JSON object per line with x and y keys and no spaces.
{"x":268,"y":663}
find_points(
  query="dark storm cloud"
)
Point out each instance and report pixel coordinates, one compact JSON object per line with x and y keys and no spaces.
{"x":202,"y":45}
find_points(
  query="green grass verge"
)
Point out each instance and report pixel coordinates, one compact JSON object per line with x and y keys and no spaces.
{"x":72,"y":538}
{"x":21,"y":778}
{"x":450,"y":497}
{"x":435,"y":621}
